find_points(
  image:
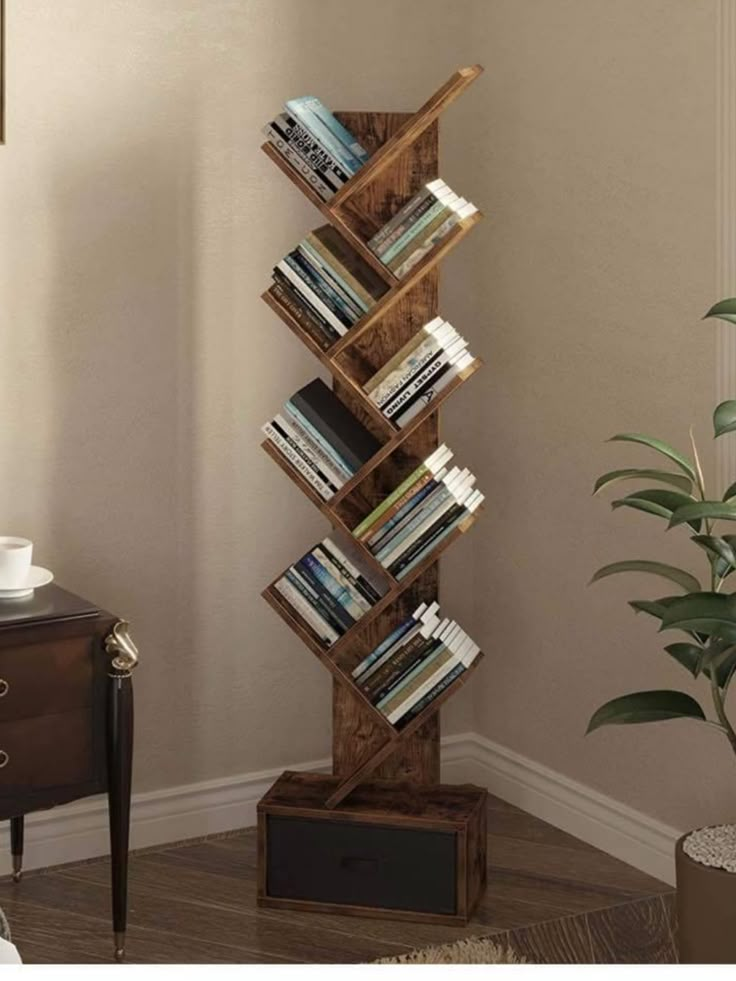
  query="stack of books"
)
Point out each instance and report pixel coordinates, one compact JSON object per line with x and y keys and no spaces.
{"x":420,"y":225}
{"x":316,"y":144}
{"x":330,"y":588}
{"x":321,"y":438}
{"x":419,"y":513}
{"x":326,"y":285}
{"x":425,"y":365}
{"x":414,"y":664}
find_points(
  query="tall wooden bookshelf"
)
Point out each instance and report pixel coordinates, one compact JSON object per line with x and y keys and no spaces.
{"x":404,"y":153}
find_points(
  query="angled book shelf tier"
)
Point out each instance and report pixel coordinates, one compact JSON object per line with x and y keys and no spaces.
{"x":403,"y":150}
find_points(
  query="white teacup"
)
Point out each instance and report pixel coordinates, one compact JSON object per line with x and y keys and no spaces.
{"x":15,"y":561}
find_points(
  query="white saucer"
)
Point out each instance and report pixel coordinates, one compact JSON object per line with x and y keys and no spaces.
{"x":36,"y":578}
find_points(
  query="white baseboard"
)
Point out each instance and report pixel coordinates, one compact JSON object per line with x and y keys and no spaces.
{"x":601,"y":821}
{"x":78,"y":831}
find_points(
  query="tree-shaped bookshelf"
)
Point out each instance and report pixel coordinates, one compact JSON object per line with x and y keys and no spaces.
{"x":404,"y":156}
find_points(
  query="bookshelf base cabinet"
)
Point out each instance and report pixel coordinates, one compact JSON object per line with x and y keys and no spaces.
{"x":392,"y":850}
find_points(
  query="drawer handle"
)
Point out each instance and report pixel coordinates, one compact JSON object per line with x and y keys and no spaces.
{"x":4,"y":687}
{"x":4,"y":758}
{"x":355,"y":863}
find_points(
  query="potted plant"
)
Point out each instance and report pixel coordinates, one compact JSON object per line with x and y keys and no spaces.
{"x":704,"y":613}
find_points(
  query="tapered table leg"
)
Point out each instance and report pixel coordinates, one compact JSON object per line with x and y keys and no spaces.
{"x":119,"y":772}
{"x":16,"y":846}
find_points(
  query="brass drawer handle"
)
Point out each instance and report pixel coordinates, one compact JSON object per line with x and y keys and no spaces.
{"x":4,"y":758}
{"x":4,"y":688}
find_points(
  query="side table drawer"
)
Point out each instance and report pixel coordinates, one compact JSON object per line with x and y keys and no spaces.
{"x":51,"y":751}
{"x":44,"y":679}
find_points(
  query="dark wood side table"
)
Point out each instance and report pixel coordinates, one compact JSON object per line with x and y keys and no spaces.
{"x":66,"y":719}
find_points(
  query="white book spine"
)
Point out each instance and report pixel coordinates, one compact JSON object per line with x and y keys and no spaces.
{"x":299,"y":164}
{"x":312,"y":450}
{"x":294,"y":598}
{"x":443,"y":357}
{"x":357,"y":598}
{"x":301,"y":287}
{"x":415,"y":362}
{"x":426,"y":397}
{"x":297,"y":462}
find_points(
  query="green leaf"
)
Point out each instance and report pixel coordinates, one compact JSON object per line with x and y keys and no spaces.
{"x":678,"y":576}
{"x":656,"y":444}
{"x":663,"y":476}
{"x":688,"y":655}
{"x":657,"y":501}
{"x":730,"y":492}
{"x":646,"y":706}
{"x":724,"y":418}
{"x":716,"y":547}
{"x":706,"y":613}
{"x":723,"y":310}
{"x":655,"y":608}
{"x":711,"y":510}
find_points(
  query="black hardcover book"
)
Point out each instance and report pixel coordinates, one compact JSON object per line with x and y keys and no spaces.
{"x":324,"y":410}
{"x":417,"y":547}
{"x":336,"y":608}
{"x":361,"y":585}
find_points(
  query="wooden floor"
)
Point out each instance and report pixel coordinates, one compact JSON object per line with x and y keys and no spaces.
{"x":551,"y":897}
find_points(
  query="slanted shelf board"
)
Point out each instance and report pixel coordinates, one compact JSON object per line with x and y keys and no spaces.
{"x":355,"y":735}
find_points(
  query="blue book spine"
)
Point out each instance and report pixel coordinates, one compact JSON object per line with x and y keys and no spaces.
{"x":405,"y":679}
{"x":308,"y":592}
{"x":320,"y":122}
{"x":337,"y":610}
{"x":299,"y":265}
{"x":316,"y":435}
{"x":333,"y":587}
{"x":395,"y":635}
{"x":400,"y":244}
{"x":326,"y":285}
{"x":433,"y":543}
{"x":424,"y":512}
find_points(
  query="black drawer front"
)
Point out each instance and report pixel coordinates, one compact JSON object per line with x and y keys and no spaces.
{"x":362,"y":864}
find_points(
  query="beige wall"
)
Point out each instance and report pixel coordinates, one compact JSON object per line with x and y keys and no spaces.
{"x":139,"y":225}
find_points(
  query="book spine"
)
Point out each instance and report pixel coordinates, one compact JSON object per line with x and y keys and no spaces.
{"x":342,"y":580}
{"x":424,"y":204}
{"x":426,"y":233}
{"x":310,"y":277}
{"x":299,"y":164}
{"x":404,"y":537}
{"x":402,"y":375}
{"x":280,"y":127}
{"x":405,"y":659}
{"x":297,"y":462}
{"x":393,"y":637}
{"x":431,"y":695}
{"x":310,"y":594}
{"x":333,"y":124}
{"x":322,"y":425}
{"x":411,"y":234}
{"x":302,"y":110}
{"x":277,"y":424}
{"x":306,"y":319}
{"x":426,"y":247}
{"x":414,"y":203}
{"x":452,"y":520}
{"x":322,"y":277}
{"x":341,"y":594}
{"x":313,"y":151}
{"x":367,"y":587}
{"x":340,"y":270}
{"x":295,"y":416}
{"x":309,"y":450}
{"x":364,"y":529}
{"x":437,"y":656}
{"x":427,"y":396}
{"x":361,"y":584}
{"x":310,"y":296}
{"x":445,"y":668}
{"x":334,"y":277}
{"x":302,"y":608}
{"x":382,"y":534}
{"x":379,"y":526}
{"x":309,"y":570}
{"x":422,"y":380}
